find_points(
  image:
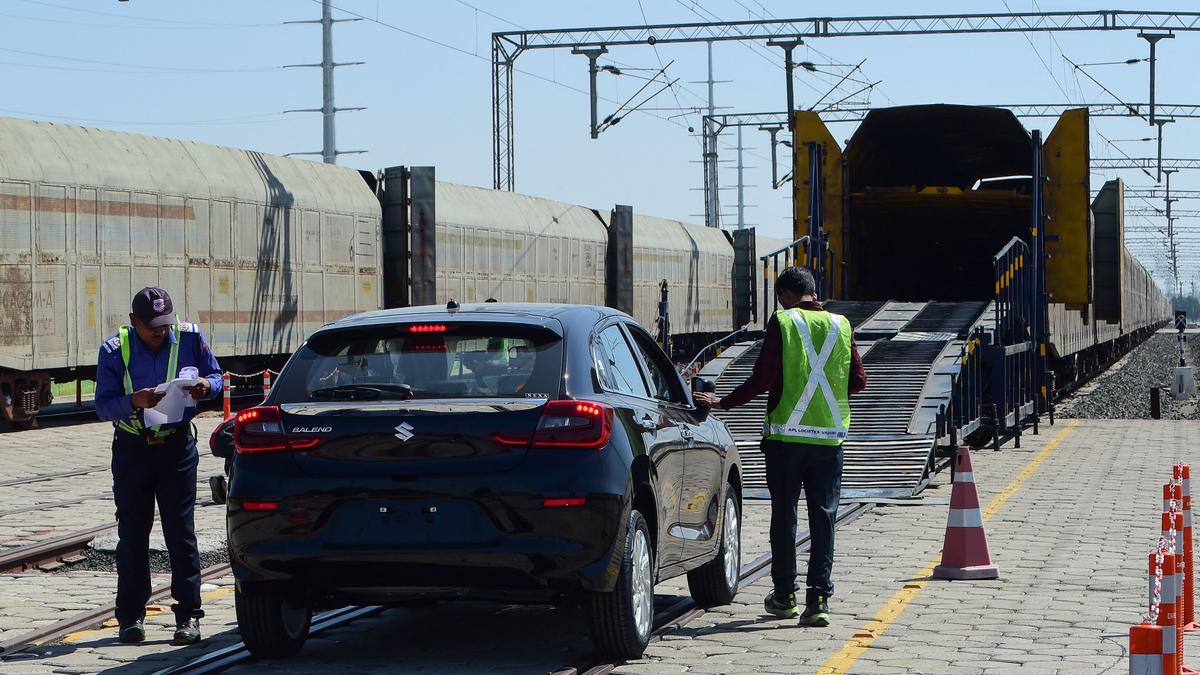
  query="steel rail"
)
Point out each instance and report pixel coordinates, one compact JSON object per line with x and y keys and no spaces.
{"x":51,"y":476}
{"x":91,"y":617}
{"x":22,"y":558}
{"x":685,"y":610}
{"x":223,"y":658}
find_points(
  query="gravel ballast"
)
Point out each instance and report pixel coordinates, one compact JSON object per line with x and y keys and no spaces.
{"x":1123,"y":392}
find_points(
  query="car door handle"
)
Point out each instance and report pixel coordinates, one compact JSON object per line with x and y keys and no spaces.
{"x":648,"y":422}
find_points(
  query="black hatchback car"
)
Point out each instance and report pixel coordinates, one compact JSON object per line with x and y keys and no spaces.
{"x":517,"y":453}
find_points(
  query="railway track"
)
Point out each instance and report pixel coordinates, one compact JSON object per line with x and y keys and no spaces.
{"x":50,"y":553}
{"x":53,"y":476}
{"x":666,"y":620}
{"x":91,"y":617}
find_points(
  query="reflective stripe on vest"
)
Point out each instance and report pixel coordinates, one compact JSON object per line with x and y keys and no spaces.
{"x":132,"y":424}
{"x":802,"y":416}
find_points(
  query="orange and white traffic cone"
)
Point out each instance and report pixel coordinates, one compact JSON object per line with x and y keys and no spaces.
{"x":266,"y":383}
{"x":1146,"y":650}
{"x":1172,"y":530}
{"x":1168,"y":617}
{"x":965,"y":551}
{"x":1183,"y":476}
{"x":227,"y":400}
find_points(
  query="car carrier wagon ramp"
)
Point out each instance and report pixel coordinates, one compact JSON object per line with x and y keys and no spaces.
{"x":909,"y":352}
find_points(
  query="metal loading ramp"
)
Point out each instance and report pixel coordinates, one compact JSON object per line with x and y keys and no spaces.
{"x":882,"y":456}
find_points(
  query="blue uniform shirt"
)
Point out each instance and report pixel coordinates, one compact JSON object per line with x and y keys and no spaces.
{"x":149,"y":369}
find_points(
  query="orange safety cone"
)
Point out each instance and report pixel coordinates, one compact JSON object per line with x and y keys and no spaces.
{"x":1172,"y":529}
{"x":965,"y":550}
{"x":1183,"y":476}
{"x":227,"y":401}
{"x":266,"y":383}
{"x":1146,"y":650}
{"x":1168,"y":616}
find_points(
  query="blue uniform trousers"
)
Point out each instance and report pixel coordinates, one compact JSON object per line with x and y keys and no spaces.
{"x":143,"y":474}
{"x":817,"y":470}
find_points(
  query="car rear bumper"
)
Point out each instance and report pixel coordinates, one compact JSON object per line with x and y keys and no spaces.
{"x":386,"y":539}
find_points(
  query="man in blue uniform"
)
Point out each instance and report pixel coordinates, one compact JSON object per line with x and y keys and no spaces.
{"x":154,"y":463}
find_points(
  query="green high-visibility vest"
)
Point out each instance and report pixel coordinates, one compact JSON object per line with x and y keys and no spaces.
{"x":814,"y":406}
{"x":132,"y":424}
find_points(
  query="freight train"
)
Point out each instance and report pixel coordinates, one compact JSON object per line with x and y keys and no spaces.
{"x":261,"y":250}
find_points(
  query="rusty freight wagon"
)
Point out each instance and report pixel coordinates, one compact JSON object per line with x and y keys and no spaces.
{"x":260,"y":250}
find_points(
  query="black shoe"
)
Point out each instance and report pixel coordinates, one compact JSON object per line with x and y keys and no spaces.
{"x":132,"y":633}
{"x":816,"y":613}
{"x":187,"y":632}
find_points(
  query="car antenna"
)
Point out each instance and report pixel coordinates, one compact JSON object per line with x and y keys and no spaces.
{"x":452,"y":306}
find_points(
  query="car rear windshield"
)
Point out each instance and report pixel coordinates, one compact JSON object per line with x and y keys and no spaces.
{"x":424,"y":360}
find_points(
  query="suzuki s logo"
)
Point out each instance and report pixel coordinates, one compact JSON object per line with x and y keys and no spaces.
{"x":311,"y":430}
{"x":404,"y":431}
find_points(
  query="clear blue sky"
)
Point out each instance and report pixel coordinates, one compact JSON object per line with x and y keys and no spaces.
{"x":210,"y":71}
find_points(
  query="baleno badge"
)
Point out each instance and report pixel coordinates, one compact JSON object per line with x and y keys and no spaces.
{"x":404,"y":431}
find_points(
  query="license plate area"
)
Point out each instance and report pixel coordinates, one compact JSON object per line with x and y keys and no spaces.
{"x":411,"y":523}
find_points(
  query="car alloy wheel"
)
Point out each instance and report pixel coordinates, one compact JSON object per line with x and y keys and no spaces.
{"x":643,"y":584}
{"x":733,"y":544}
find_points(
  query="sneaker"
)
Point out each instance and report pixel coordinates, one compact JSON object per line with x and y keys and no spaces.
{"x":784,"y":609}
{"x":187,"y":632}
{"x":132,"y":633}
{"x":816,"y":613}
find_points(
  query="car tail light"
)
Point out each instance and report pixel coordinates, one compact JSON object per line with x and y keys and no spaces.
{"x":567,"y":424}
{"x":555,"y":502}
{"x":261,"y":430}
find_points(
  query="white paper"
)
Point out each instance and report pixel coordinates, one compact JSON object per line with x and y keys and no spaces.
{"x":175,"y":401}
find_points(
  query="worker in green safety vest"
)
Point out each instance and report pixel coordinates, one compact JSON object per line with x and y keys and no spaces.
{"x":154,"y":462}
{"x":809,"y":363}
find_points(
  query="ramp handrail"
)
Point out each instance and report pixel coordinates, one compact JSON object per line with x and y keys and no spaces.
{"x":815,"y":254}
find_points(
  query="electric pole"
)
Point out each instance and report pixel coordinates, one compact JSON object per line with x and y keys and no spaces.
{"x":329,"y":152}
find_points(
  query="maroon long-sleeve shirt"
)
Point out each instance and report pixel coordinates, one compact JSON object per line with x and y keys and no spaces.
{"x":768,"y":368}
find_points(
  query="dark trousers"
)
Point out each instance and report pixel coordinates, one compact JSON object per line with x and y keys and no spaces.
{"x":817,"y":470}
{"x":143,"y":474}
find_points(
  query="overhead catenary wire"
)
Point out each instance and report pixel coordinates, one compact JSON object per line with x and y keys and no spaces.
{"x":160,"y":69}
{"x":446,"y":45}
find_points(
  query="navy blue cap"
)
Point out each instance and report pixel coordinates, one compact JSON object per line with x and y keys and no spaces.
{"x":153,"y":306}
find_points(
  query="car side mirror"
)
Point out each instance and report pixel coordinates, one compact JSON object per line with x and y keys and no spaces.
{"x":701,"y":384}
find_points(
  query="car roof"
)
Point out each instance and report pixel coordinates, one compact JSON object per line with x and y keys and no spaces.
{"x":515,"y":312}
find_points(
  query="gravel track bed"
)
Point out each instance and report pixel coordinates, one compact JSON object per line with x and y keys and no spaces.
{"x":106,"y":561}
{"x":1124,"y":391}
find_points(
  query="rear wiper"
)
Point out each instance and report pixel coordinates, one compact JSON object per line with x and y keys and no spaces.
{"x":364,"y":391}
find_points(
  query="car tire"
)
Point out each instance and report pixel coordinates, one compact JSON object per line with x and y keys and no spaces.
{"x":270,"y":624}
{"x":716,"y":581}
{"x":622,"y":618}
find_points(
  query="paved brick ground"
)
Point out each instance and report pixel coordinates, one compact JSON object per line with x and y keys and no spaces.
{"x":1070,"y":543}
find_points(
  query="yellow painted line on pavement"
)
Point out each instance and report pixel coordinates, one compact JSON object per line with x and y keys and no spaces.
{"x":109,"y":625}
{"x":895,"y":605}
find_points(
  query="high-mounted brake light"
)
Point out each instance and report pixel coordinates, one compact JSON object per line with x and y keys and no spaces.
{"x":260,"y":430}
{"x":567,"y":424}
{"x":427,"y":328}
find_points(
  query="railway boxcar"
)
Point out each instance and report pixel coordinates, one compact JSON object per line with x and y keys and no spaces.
{"x":517,"y":248}
{"x":262,"y":250}
{"x":258,"y":249}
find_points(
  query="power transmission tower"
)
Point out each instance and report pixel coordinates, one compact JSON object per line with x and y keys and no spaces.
{"x":329,"y":152}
